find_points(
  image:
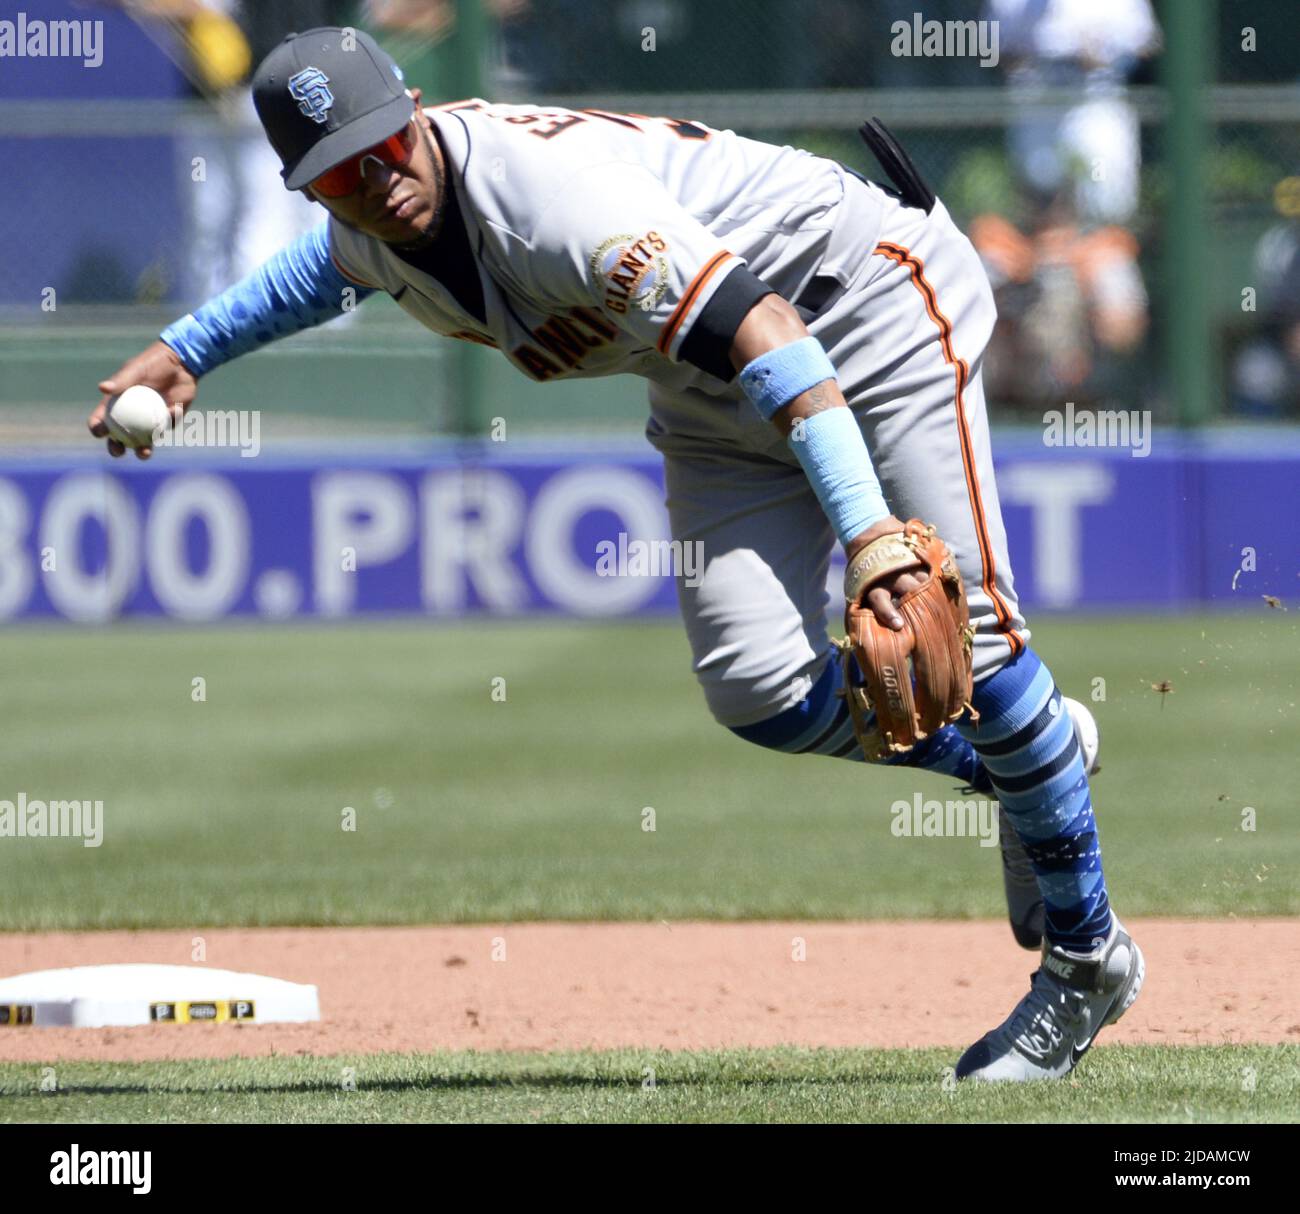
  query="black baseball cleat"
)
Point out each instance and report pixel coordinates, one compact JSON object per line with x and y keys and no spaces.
{"x":1072,"y":997}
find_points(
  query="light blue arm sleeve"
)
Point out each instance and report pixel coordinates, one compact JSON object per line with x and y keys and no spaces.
{"x":834,"y":454}
{"x":297,"y":288}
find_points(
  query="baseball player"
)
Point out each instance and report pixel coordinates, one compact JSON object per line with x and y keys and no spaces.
{"x":812,"y":343}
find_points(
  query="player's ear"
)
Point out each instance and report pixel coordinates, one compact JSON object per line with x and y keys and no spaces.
{"x":416,"y":95}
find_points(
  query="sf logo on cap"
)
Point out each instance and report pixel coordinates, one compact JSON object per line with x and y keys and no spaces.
{"x":311,"y":89}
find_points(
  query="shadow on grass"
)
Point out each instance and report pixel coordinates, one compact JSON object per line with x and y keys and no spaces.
{"x":461,"y":1083}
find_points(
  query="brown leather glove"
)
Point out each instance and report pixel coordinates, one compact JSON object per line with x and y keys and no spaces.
{"x":936,"y":636}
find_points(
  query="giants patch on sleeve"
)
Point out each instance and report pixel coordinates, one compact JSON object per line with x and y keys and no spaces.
{"x":632,"y":271}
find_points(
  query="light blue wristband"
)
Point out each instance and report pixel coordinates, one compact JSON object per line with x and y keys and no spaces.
{"x":773,"y":380}
{"x":834,"y":456}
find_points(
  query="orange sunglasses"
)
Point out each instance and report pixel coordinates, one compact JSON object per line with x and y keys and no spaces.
{"x":343,"y":179}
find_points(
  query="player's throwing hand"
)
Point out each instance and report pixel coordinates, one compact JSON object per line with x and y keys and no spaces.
{"x":156,"y":367}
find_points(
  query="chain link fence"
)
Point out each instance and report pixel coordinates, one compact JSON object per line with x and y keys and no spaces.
{"x":133,"y":208}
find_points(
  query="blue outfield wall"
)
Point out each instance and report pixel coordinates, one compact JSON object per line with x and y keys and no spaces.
{"x":515,"y":529}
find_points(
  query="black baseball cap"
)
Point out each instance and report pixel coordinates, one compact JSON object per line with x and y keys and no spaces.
{"x":325,"y":96}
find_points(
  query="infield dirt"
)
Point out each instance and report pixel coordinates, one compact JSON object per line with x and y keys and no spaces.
{"x":667,"y":985}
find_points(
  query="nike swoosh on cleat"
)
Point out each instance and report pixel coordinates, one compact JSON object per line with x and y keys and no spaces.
{"x":1078,"y":1051}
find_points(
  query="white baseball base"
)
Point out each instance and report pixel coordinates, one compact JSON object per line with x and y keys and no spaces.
{"x":99,"y":996}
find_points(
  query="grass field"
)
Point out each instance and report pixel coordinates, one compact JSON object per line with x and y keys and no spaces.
{"x":1132,"y":1083}
{"x":229,"y":811}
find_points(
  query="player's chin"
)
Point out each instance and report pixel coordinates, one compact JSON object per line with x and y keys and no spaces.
{"x":408,"y":228}
{"x":393,"y":232}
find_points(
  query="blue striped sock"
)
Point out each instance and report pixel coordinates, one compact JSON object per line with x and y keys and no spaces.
{"x":820,"y":724}
{"x":1026,"y":739}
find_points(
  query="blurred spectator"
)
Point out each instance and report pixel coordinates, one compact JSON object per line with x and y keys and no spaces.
{"x":239,"y":212}
{"x":1090,"y":46}
{"x":1265,"y":376}
{"x":1071,"y":307}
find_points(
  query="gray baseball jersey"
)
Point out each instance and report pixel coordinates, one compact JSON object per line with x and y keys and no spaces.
{"x":601,"y":238}
{"x":608,"y":243}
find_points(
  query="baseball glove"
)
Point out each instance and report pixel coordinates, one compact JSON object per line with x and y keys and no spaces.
{"x":936,"y":636}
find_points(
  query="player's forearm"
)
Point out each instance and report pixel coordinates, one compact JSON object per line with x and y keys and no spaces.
{"x":297,"y":288}
{"x":791,"y":382}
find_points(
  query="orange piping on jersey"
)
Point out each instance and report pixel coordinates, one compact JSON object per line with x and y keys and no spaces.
{"x":687,"y":301}
{"x":915,"y":267}
{"x":361,"y":282}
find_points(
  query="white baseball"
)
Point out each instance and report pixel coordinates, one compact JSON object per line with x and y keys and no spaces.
{"x":135,"y":416}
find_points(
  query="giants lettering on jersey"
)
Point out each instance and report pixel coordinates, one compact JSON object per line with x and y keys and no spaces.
{"x":567,"y":338}
{"x":634,"y":271}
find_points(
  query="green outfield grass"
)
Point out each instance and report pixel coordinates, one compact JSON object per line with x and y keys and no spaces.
{"x":229,"y":812}
{"x":1117,"y":1083}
